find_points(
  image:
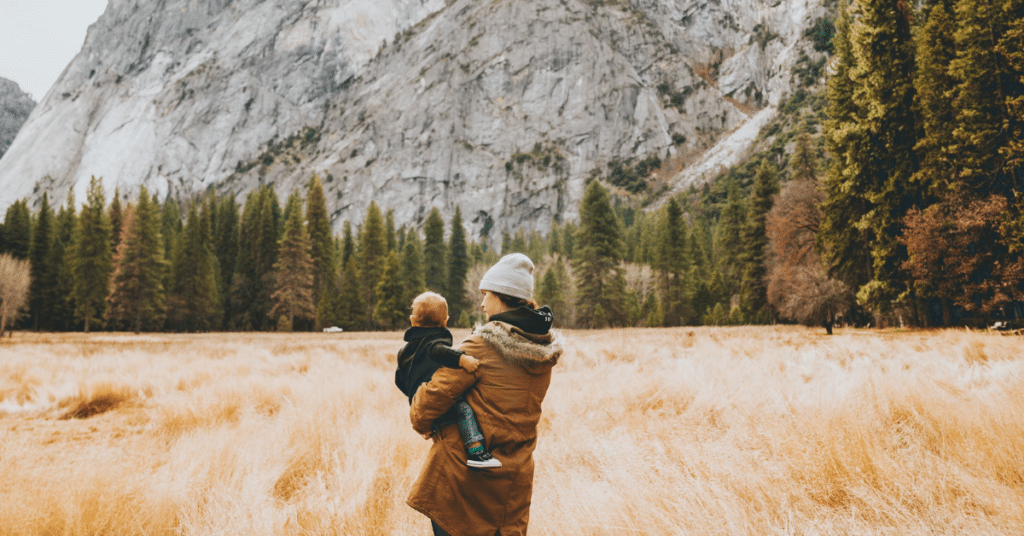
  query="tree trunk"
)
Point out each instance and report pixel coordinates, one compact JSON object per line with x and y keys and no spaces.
{"x":827,"y":324}
{"x":88,"y":314}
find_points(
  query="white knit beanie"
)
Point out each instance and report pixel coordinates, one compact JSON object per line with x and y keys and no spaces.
{"x":511,"y":276}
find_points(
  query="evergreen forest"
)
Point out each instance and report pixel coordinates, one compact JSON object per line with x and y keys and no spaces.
{"x":887,"y":191}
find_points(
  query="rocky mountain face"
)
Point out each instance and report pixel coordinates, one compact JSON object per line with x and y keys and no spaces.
{"x":502,"y":107}
{"x":15,"y":105}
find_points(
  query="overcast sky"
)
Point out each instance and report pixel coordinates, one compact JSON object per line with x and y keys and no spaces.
{"x":39,"y":38}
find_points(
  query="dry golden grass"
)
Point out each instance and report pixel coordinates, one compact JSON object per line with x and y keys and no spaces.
{"x":683,"y":431}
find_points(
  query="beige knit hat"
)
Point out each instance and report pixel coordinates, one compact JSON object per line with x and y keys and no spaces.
{"x":511,"y":276}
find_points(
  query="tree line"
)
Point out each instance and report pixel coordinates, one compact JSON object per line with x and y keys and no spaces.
{"x":922,"y":213}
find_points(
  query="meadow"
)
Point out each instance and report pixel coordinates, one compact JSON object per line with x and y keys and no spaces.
{"x":762,"y":431}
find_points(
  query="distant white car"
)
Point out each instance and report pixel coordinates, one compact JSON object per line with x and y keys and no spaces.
{"x":333,"y":329}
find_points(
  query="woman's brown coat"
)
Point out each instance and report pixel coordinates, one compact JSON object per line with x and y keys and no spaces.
{"x":506,"y":392}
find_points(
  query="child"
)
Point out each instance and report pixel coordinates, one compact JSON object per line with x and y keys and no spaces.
{"x":428,"y":347}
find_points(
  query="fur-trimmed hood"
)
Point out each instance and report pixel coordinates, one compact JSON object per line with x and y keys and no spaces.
{"x":520,"y":348}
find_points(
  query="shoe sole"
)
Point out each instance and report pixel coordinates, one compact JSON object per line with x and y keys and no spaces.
{"x":492,"y":464}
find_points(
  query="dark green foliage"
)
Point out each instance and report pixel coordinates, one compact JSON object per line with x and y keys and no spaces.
{"x":18,"y":230}
{"x":116,"y":219}
{"x":434,"y":253}
{"x":350,"y":312}
{"x":225,"y":246}
{"x":91,"y":258}
{"x":42,"y":271}
{"x":766,"y":187}
{"x":136,"y":299}
{"x":730,"y":238}
{"x":550,"y":293}
{"x":601,"y":287}
{"x":293,"y":271}
{"x":821,"y":34}
{"x":321,"y":239}
{"x":254,"y":280}
{"x":63,"y":313}
{"x":458,"y":267}
{"x":370,"y":258}
{"x":632,"y":178}
{"x":195,"y":302}
{"x":391,"y":310}
{"x":412,"y":268}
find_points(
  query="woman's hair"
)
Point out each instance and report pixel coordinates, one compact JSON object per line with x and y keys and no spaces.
{"x":513,"y":302}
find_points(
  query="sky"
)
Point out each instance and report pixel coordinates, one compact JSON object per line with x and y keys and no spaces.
{"x":39,"y":38}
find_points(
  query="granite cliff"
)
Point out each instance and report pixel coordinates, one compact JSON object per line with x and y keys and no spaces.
{"x":503,"y":107}
{"x":15,"y":105}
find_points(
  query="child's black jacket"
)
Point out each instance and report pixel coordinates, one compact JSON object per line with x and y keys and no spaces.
{"x":426,"y":350}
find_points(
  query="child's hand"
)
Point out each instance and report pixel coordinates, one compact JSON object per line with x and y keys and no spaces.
{"x":428,"y":435}
{"x":469,"y":362}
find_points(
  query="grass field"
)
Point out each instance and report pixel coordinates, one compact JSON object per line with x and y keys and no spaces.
{"x":673,"y":431}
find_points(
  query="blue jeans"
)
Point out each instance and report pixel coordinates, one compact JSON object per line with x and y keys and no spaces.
{"x":469,"y":428}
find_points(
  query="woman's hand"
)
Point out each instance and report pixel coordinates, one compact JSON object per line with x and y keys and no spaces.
{"x":469,"y":363}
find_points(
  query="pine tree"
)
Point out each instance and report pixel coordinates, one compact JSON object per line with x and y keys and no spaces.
{"x":136,"y":297}
{"x":390,"y":311}
{"x":731,"y":248}
{"x":883,"y":42}
{"x":267,"y":235}
{"x":672,"y":261}
{"x":569,"y":240}
{"x":550,"y":293}
{"x":936,"y":49}
{"x":846,"y":244}
{"x":293,"y":289}
{"x":18,"y":230}
{"x":370,"y":258}
{"x":434,"y":253}
{"x":458,"y":267}
{"x":195,"y":303}
{"x":985,"y":83}
{"x":762,"y":197}
{"x":412,"y":267}
{"x":598,"y":246}
{"x":349,"y":244}
{"x":389,"y":230}
{"x":116,"y":220}
{"x":42,"y":271}
{"x":321,"y":239}
{"x":325,"y":316}
{"x":350,"y":312}
{"x":91,"y":258}
{"x":225,"y":246}
{"x":554,"y":239}
{"x":63,"y":245}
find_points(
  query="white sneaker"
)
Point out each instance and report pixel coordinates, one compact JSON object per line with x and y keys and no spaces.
{"x":483,"y":460}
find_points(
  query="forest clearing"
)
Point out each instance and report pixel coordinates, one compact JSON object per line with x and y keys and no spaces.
{"x":742,"y":430}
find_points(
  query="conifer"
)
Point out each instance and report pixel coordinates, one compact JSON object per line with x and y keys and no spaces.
{"x":390,"y":310}
{"x":350,"y":312}
{"x":321,"y":239}
{"x":42,"y":270}
{"x":18,"y":230}
{"x":601,"y":287}
{"x":195,"y":303}
{"x":554,"y":238}
{"x":63,"y":245}
{"x":136,"y":299}
{"x":730,"y":237}
{"x":550,"y":293}
{"x":371,"y":255}
{"x":116,"y":219}
{"x":762,"y":197}
{"x":293,"y":270}
{"x":348,"y":247}
{"x":458,"y":267}
{"x":412,"y":267}
{"x":91,"y":258}
{"x":389,"y":230}
{"x":846,"y":243}
{"x":434,"y":254}
{"x":225,"y":246}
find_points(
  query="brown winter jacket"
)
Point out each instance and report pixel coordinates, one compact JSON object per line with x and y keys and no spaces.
{"x":506,"y":392}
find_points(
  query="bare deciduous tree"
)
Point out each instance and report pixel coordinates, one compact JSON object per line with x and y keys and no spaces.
{"x":14,"y":284}
{"x":798,"y":285}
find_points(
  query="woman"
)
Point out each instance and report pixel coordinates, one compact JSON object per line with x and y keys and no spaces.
{"x":517,"y":350}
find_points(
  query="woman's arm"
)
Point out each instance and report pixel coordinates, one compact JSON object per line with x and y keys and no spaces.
{"x":435,"y":397}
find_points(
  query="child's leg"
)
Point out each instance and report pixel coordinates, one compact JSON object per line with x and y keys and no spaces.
{"x":469,"y":428}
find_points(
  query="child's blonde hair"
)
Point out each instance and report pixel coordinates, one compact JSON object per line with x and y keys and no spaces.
{"x":429,"y":310}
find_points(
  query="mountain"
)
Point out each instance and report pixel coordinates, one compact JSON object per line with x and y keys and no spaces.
{"x":505,"y":107}
{"x":15,"y":105}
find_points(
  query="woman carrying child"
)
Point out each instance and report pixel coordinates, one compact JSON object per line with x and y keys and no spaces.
{"x":516,"y":350}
